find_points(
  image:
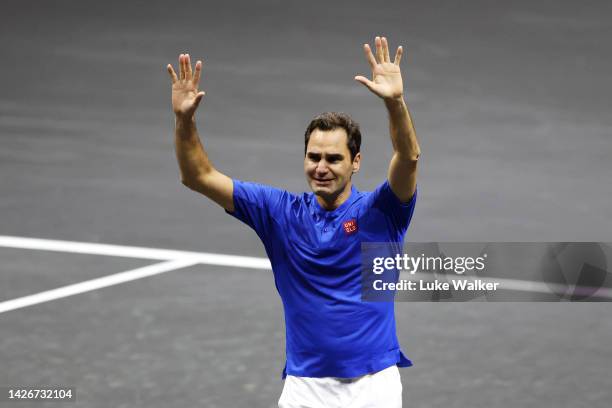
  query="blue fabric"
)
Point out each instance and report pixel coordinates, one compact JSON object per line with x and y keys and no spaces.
{"x":315,"y":256}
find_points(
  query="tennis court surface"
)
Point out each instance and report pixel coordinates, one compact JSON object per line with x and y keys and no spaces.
{"x":511,"y":105}
{"x":184,"y":332}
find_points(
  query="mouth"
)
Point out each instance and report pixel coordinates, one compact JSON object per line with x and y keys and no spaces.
{"x":322,"y":182}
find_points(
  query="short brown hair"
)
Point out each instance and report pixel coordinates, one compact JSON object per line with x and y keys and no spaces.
{"x":333,"y":120}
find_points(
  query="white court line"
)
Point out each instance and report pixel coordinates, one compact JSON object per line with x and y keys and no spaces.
{"x":94,"y":284}
{"x":133,"y":252}
{"x":178,"y":258}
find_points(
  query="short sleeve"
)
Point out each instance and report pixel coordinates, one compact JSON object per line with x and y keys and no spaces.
{"x":255,"y":204}
{"x":398,"y":213}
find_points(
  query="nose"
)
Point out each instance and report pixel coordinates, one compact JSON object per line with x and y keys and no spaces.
{"x":321,"y":167}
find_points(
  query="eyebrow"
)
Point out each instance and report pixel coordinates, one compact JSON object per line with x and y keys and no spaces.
{"x":329,"y":156}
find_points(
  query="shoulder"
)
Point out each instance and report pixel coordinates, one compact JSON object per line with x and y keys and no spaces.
{"x":262,"y":194}
{"x":384,"y":195}
{"x":382,"y":209}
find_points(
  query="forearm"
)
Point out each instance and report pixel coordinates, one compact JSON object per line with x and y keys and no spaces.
{"x":192,"y":158}
{"x":403,"y":135}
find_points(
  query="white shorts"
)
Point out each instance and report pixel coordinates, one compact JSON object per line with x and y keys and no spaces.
{"x":382,"y":389}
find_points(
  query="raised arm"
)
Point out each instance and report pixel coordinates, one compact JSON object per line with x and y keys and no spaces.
{"x":197,"y":172}
{"x":387,"y":84}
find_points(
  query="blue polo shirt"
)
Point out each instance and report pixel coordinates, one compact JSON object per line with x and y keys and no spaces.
{"x":316,"y":261}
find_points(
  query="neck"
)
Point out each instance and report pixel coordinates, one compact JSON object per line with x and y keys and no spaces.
{"x":332,"y":202}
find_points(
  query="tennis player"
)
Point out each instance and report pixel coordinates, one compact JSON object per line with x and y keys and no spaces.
{"x":340,"y":350}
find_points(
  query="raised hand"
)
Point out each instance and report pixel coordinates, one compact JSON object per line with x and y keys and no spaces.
{"x":185,"y":95}
{"x":386,"y":76}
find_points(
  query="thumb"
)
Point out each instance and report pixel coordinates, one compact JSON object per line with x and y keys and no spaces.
{"x":369,"y":84}
{"x":198,"y":98}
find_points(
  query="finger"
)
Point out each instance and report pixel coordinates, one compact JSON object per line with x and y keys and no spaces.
{"x":369,"y":55}
{"x":189,"y":74}
{"x":198,"y":73}
{"x":184,"y":66}
{"x":385,"y":47}
{"x":379,"y":51}
{"x":398,"y":55}
{"x":198,"y":98}
{"x":172,"y":73}
{"x":369,"y":84}
{"x":181,"y":68}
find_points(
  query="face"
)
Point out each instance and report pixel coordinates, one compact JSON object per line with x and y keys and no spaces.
{"x":327,"y":164}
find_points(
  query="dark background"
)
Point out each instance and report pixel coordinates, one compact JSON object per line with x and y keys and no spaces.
{"x":511,"y":106}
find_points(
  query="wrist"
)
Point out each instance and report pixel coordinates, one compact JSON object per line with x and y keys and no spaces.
{"x":395,"y":103}
{"x":183,"y":120}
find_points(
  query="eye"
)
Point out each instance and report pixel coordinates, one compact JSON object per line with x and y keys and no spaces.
{"x":314,"y":157}
{"x":334,"y":158}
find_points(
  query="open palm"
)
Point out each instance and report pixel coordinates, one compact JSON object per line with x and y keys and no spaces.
{"x":386,"y":75}
{"x":185,"y":94}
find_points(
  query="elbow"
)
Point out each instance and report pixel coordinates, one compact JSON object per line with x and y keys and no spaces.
{"x":185,"y":182}
{"x":411,"y":157}
{"x":414,"y":157}
{"x":190,"y":183}
{"x":197,"y":182}
{"x":415,"y":154}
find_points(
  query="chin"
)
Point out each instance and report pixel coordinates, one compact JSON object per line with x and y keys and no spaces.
{"x":324,"y":192}
{"x":318,"y":189}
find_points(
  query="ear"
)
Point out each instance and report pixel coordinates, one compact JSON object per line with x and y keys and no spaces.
{"x":356,"y":162}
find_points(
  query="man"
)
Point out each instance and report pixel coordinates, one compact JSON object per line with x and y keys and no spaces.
{"x":341,"y":351}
